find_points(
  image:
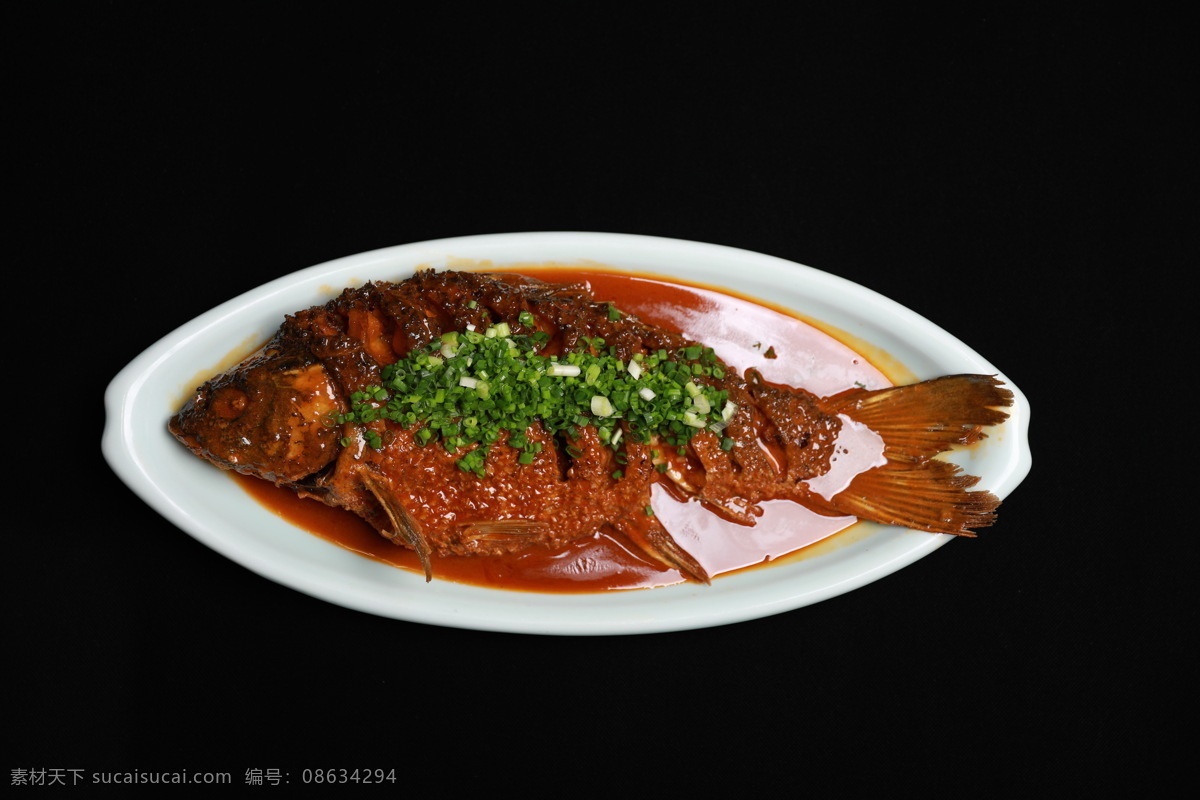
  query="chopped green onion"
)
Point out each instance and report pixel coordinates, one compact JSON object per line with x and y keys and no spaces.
{"x":471,"y":389}
{"x":601,"y":407}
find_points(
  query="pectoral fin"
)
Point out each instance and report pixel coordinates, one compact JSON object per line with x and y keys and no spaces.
{"x":404,"y":527}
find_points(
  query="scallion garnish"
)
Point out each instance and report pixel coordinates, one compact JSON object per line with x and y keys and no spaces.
{"x":469,"y":389}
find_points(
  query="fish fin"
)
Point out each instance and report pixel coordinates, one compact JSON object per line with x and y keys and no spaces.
{"x":934,"y":496}
{"x":918,"y":421}
{"x":654,"y":540}
{"x":505,"y":530}
{"x":404,"y":527}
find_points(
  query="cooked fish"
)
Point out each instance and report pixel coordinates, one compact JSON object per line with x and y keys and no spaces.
{"x":466,"y":413}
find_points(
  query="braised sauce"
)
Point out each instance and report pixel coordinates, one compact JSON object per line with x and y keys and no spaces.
{"x":744,"y":333}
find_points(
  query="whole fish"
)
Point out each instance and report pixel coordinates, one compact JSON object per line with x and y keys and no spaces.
{"x":466,"y":413}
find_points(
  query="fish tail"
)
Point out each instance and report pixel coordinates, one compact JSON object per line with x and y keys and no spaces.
{"x":916,"y":423}
{"x":932,"y":497}
{"x":923,"y":419}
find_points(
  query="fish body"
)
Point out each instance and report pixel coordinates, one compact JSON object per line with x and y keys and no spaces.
{"x":309,"y":411}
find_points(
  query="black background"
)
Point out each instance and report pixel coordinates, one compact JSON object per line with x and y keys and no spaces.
{"x":1017,"y":179}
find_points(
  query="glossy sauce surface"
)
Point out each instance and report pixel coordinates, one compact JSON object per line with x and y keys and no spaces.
{"x":745,"y":334}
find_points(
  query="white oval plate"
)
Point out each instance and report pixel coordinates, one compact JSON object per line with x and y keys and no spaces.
{"x":207,"y":504}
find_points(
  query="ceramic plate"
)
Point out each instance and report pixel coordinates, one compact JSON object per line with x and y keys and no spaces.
{"x":210,"y":506}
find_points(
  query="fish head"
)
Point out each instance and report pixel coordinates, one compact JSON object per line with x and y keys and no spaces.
{"x":270,"y":416}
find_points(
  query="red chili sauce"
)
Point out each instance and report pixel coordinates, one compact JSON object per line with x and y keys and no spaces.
{"x":744,"y":333}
